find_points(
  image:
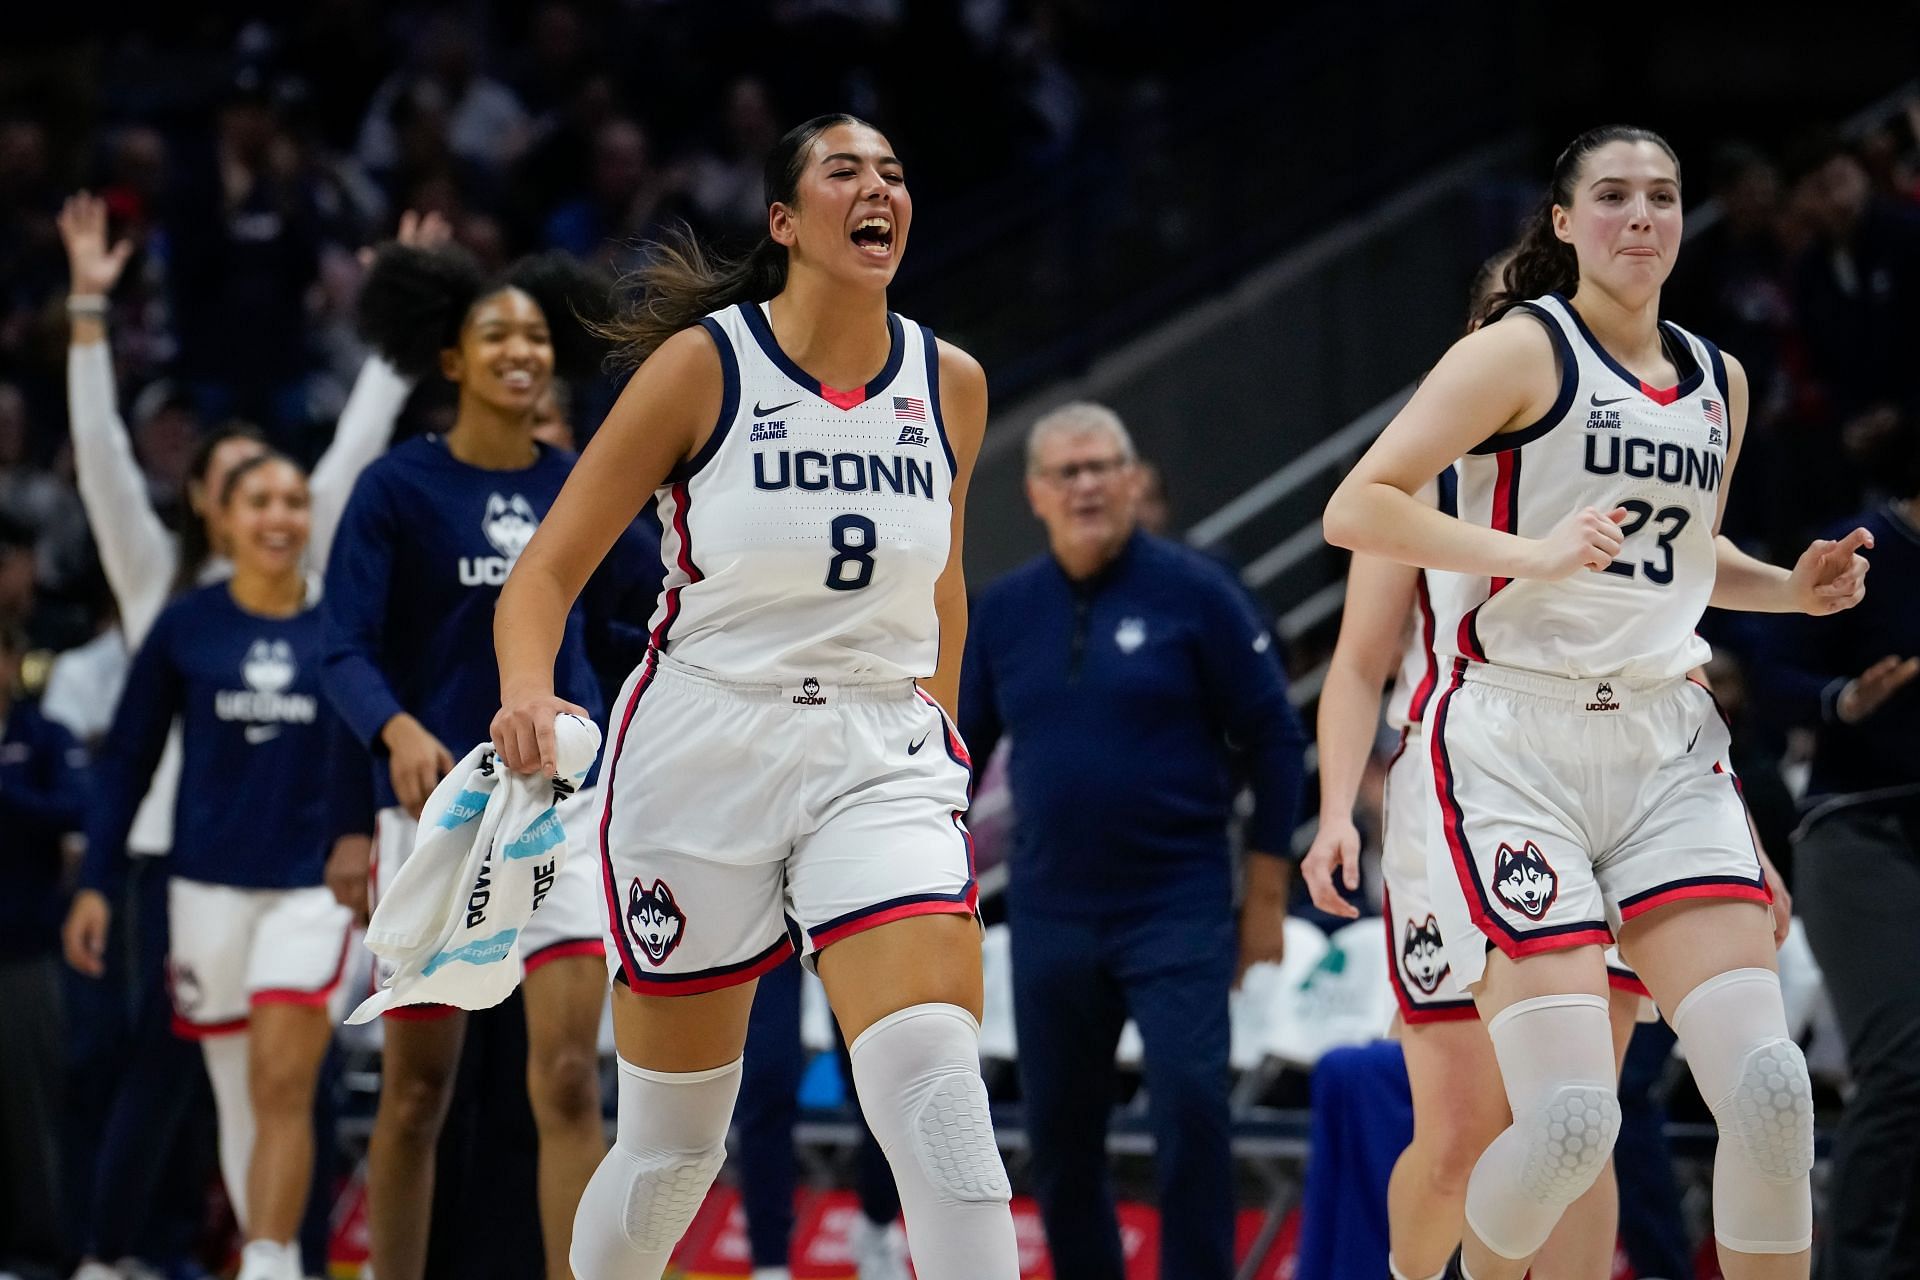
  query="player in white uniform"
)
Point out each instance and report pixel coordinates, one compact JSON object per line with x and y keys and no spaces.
{"x":1581,"y":777}
{"x":1458,"y":1106}
{"x":774,"y":760}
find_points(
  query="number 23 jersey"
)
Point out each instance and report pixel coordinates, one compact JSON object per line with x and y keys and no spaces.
{"x":805,"y":537}
{"x":1609,"y":441}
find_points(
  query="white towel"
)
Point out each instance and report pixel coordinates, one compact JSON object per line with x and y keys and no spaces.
{"x":489,"y":846}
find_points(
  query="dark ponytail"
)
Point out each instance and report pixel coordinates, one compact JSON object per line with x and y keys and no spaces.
{"x":684,"y":281}
{"x":1542,"y":262}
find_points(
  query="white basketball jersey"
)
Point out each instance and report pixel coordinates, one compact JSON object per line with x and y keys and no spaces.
{"x":1419,"y":675}
{"x":805,"y":537}
{"x":1608,"y":441}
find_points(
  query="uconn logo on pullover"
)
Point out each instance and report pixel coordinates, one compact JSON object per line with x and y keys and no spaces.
{"x":268,"y":671}
{"x":509,"y":524}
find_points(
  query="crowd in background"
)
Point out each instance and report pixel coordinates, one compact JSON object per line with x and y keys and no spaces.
{"x":249,"y":180}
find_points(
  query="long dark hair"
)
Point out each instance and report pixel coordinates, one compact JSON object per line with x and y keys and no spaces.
{"x":415,"y":302}
{"x":683,"y":280}
{"x":1541,"y":262}
{"x":195,"y":547}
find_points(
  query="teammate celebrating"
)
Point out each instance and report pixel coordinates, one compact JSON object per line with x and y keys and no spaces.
{"x":427,"y":539}
{"x":258,"y":943}
{"x":773,"y":757}
{"x":1581,"y":779}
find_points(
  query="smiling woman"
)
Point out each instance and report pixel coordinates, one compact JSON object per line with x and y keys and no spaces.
{"x":810,"y":452}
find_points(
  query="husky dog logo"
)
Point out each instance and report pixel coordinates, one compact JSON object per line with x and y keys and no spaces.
{"x":268,"y":666}
{"x":654,"y":920}
{"x":809,"y":695}
{"x":1524,"y":881}
{"x":1603,"y":698}
{"x":186,"y":988}
{"x":509,"y":524}
{"x":1130,"y":635}
{"x":1421,"y":957}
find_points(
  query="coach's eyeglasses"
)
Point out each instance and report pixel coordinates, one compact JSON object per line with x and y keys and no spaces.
{"x":1094,"y":468}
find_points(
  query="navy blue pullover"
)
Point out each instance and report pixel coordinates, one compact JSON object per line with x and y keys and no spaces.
{"x":42,"y":792}
{"x":1136,"y":701}
{"x":423,"y":549}
{"x":1807,"y":661}
{"x":251,"y":810}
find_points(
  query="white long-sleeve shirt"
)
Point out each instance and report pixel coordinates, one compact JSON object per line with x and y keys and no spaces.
{"x":140,"y":554}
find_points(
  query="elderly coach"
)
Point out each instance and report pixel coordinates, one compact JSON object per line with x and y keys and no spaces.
{"x":1138,"y":690}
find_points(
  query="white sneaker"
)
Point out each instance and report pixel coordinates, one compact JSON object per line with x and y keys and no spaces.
{"x":879,"y":1249}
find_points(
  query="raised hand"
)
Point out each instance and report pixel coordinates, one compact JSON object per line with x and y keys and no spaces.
{"x":92,"y":267}
{"x":417,"y":231}
{"x":1830,"y":574}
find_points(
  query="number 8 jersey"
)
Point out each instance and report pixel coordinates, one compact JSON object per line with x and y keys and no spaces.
{"x":1609,"y":441}
{"x":805,"y":537}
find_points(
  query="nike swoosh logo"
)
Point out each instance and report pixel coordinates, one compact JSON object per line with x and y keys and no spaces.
{"x":1694,"y":739}
{"x":758,"y":412}
{"x":1598,"y":403}
{"x":915,"y":748}
{"x":259,"y":733}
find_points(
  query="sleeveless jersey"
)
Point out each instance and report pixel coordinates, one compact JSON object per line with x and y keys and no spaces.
{"x":1419,"y":675}
{"x":804,"y":539}
{"x":1608,"y":441}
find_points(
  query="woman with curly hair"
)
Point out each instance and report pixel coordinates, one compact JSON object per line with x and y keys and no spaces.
{"x":426,"y":542}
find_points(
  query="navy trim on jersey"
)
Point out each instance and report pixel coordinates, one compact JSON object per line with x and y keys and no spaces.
{"x":729,"y":405}
{"x":763,"y":334}
{"x":1719,"y":365}
{"x":1702,"y":886}
{"x":933,"y":400}
{"x":1448,"y":482}
{"x":726,"y":974}
{"x":1687,"y":385}
{"x":1569,"y":387}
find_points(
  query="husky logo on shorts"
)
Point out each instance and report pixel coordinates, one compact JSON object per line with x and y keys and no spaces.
{"x":809,"y":695}
{"x":186,"y":988}
{"x":268,"y":667}
{"x":509,"y":524}
{"x":1603,"y":698}
{"x":1524,"y":881}
{"x":1421,"y":956}
{"x":654,"y":920}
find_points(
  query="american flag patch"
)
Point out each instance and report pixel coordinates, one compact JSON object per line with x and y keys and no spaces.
{"x":910,"y":407}
{"x":1714,"y":413}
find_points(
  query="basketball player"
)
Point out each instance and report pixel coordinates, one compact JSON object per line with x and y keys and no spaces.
{"x":258,"y":943}
{"x":145,"y":566}
{"x":1581,"y":778}
{"x":427,"y":540}
{"x":773,"y":757}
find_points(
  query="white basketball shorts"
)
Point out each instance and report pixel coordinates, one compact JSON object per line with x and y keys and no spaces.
{"x":1416,"y":954}
{"x":1569,"y":806}
{"x":741,"y":821}
{"x":233,"y":948}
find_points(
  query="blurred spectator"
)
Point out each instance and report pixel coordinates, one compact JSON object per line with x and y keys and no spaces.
{"x":630,"y":200}
{"x":725,"y":184}
{"x":41,"y":772}
{"x":484,"y":123}
{"x":37,"y":500}
{"x":1857,"y":883}
{"x":1129,"y":673}
{"x":245,"y":246}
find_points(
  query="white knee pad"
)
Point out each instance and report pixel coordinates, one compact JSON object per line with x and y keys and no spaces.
{"x":1734,"y":1030}
{"x":1556,"y":1060}
{"x":918,"y":1076}
{"x":937,"y":1105}
{"x":671,"y":1141}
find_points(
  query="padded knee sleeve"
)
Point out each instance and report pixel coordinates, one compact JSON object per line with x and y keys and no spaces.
{"x":1734,"y":1030}
{"x":918,"y":1076}
{"x":1556,"y":1060}
{"x":671,"y":1141}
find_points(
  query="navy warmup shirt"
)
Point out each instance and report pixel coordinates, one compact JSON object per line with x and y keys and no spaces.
{"x":422,"y":552}
{"x":251,"y":810}
{"x":1131,"y":698}
{"x":42,"y":794}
